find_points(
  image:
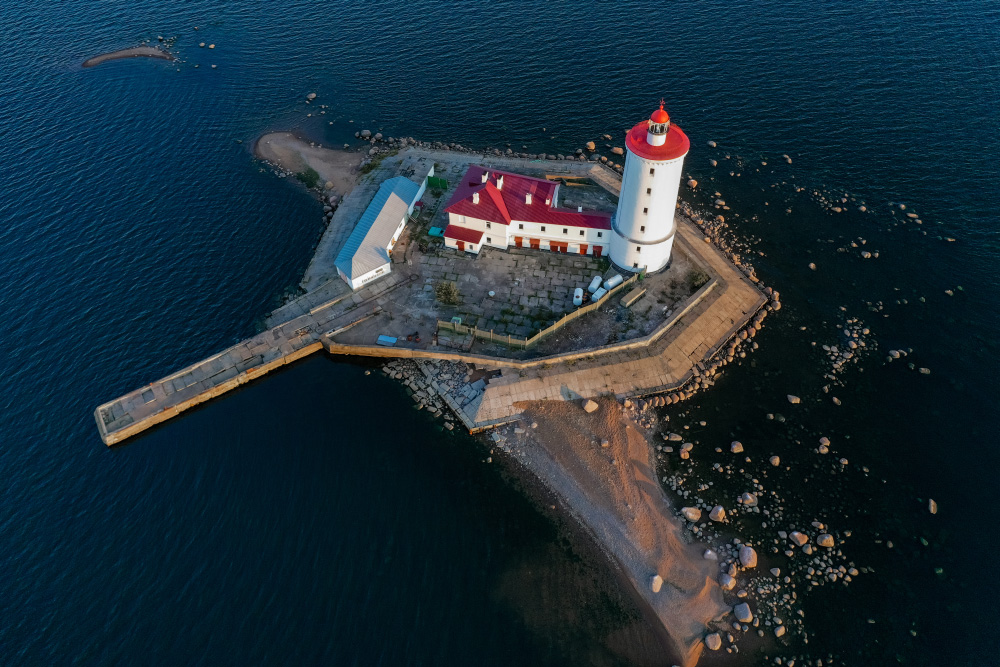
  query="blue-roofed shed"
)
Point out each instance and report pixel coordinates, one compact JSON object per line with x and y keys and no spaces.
{"x":366,"y":255}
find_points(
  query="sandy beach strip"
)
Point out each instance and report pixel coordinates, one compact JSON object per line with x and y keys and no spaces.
{"x":613,"y":492}
{"x":133,"y":52}
{"x":285,"y":150}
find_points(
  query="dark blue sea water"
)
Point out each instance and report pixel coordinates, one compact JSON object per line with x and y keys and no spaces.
{"x":314,"y":518}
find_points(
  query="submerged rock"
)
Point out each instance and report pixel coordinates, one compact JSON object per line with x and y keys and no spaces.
{"x":743,"y":613}
{"x":798,"y":538}
{"x":748,"y":557}
{"x":691,"y":513}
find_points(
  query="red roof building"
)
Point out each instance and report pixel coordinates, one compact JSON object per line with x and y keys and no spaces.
{"x":512,"y":209}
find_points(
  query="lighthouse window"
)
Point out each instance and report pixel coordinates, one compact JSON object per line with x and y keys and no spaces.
{"x":635,"y":265}
{"x":642,"y":228}
{"x":645,"y":210}
{"x":651,"y":171}
{"x":649,"y":191}
{"x":638,"y":248}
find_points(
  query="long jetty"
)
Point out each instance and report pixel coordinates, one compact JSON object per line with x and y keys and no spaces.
{"x":666,"y":360}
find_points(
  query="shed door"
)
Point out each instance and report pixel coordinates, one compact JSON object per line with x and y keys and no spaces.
{"x":598,"y":250}
{"x":461,"y":245}
{"x":535,"y":244}
{"x":583,"y":248}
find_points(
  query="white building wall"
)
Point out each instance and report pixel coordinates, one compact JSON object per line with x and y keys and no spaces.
{"x":644,"y":222}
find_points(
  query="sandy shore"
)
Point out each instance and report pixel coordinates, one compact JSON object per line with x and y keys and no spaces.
{"x":613,"y":492}
{"x":285,"y":150}
{"x":134,"y":52}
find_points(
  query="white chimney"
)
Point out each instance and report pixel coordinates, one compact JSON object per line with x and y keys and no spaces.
{"x":500,"y":182}
{"x":475,"y":197}
{"x":527,"y":198}
{"x":486,"y":176}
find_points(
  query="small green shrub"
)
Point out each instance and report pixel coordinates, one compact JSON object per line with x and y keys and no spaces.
{"x":309,"y":177}
{"x":696,"y":278}
{"x":447,"y":292}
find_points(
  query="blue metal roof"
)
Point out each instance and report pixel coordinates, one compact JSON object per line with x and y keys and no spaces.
{"x":365,"y":249}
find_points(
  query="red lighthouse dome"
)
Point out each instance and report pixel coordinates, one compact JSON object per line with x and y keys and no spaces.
{"x":660,"y":116}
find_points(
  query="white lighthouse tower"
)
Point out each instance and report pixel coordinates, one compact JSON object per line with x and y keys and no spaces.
{"x":644,"y":224}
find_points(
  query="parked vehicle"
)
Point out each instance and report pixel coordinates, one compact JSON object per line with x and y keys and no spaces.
{"x":578,"y":296}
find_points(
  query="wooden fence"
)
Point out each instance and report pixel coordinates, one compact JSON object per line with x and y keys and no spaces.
{"x":525,"y":343}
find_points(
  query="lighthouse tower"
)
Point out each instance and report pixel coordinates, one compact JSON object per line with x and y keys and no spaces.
{"x":643,"y":226}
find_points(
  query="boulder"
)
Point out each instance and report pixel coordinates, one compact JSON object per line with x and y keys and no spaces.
{"x":743,"y":613}
{"x":736,"y":447}
{"x":712,"y":144}
{"x":718,"y":513}
{"x":365,"y":134}
{"x":798,"y":538}
{"x":748,"y":557}
{"x":591,"y":146}
{"x":825,"y":540}
{"x":617,"y":150}
{"x":691,"y":513}
{"x":931,"y":506}
{"x":779,"y":631}
{"x":710,"y":555}
{"x":775,"y":461}
{"x":656,"y":583}
{"x":589,"y":405}
{"x":749,"y":499}
{"x":311,"y":96}
{"x":794,"y":400}
{"x":726,"y":582}
{"x":692,"y":184}
{"x":713,"y":642}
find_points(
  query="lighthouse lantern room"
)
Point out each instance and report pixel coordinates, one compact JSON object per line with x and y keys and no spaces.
{"x":643,"y":225}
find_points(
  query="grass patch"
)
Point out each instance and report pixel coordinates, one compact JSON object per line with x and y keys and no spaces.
{"x":309,"y":177}
{"x":696,"y":278}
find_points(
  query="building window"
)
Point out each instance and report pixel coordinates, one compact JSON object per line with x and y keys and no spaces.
{"x":543,"y":228}
{"x":565,"y":231}
{"x":600,"y":234}
{"x":649,"y":191}
{"x":488,"y":226}
{"x":643,"y":228}
{"x":520,"y":226}
{"x":581,"y":232}
{"x":635,"y":265}
{"x":638,"y":248}
{"x":489,"y":240}
{"x":651,"y":171}
{"x":645,"y":211}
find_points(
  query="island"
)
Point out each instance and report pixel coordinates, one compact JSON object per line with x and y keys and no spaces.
{"x":547,"y":302}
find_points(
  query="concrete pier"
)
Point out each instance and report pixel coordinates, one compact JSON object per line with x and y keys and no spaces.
{"x":325,"y":319}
